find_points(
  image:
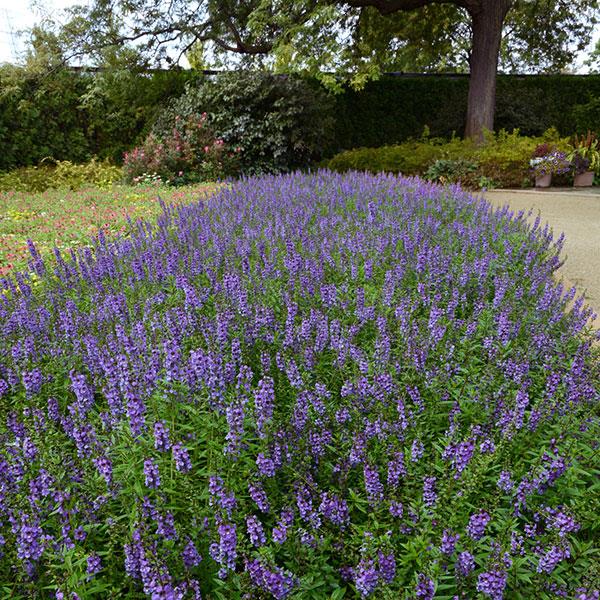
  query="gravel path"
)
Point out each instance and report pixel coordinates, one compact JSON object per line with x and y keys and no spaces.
{"x":575,"y":213}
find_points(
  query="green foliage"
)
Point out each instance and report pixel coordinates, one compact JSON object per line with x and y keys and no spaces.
{"x":436,"y":37}
{"x":395,"y":108}
{"x":408,"y":158}
{"x":121,"y":105}
{"x":503,"y":159}
{"x":39,"y":117}
{"x":586,"y":149}
{"x":433,"y":38}
{"x":545,"y":36}
{"x":355,"y":42}
{"x":279,"y":122}
{"x":73,"y":116}
{"x":61,"y":175}
{"x":448,"y":170}
{"x":587,"y":116}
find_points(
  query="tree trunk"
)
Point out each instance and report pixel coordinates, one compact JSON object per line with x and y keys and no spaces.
{"x":487,"y":20}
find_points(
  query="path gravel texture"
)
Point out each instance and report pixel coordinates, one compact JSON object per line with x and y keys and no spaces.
{"x":577,"y":214}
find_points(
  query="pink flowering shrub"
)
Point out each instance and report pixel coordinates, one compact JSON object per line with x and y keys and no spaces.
{"x":191,"y":153}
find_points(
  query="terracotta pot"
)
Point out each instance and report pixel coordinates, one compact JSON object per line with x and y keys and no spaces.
{"x":585,"y":179}
{"x":543,"y":181}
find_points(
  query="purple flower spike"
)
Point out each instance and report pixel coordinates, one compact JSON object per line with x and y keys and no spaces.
{"x":425,"y":588}
{"x":477,"y":525}
{"x":181,"y":456}
{"x":366,"y":577}
{"x":151,"y":473}
{"x":94,"y":564}
{"x":492,"y":584}
{"x":465,"y":564}
{"x":161,"y":436}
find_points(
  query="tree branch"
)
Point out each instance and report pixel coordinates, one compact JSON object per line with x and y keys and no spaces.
{"x":245,"y":49}
{"x":386,"y":7}
{"x":241,"y":46}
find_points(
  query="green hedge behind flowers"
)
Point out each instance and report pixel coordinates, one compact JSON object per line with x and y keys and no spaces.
{"x":74,"y":115}
{"x":503,"y":161}
{"x":393,"y":109}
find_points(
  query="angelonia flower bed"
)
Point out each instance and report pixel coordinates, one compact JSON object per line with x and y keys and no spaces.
{"x":306,"y":386}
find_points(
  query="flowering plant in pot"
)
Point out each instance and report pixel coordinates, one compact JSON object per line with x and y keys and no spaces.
{"x":547,"y":161}
{"x":585,"y":158}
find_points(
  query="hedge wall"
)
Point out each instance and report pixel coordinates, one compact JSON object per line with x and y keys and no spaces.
{"x":395,"y":108}
{"x":40,"y":119}
{"x":58,"y":117}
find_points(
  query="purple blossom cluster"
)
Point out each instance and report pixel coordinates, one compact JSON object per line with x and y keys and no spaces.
{"x":370,"y":573}
{"x":492,"y":584}
{"x":302,"y":384}
{"x":477,"y":525}
{"x":555,"y":162}
{"x":273,"y":580}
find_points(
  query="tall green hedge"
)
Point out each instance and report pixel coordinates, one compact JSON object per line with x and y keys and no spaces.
{"x":73,"y":116}
{"x":394,"y":108}
{"x":40,"y":118}
{"x":121,"y":107}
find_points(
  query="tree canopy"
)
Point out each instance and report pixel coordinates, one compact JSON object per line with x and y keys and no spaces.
{"x":345,"y":37}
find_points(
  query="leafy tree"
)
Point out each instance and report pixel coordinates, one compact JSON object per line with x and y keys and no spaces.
{"x":69,"y":114}
{"x":353,"y":37}
{"x":593,"y":60}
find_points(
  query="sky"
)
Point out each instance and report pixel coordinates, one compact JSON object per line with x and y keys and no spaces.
{"x":16,"y":15}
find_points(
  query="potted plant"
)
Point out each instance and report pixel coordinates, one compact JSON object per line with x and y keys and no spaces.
{"x":546,"y":161}
{"x":581,"y":168}
{"x":585,"y":158}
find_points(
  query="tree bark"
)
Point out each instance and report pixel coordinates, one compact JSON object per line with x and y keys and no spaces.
{"x":487,"y":20}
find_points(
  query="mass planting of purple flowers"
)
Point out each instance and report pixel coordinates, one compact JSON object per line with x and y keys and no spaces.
{"x":308,"y":386}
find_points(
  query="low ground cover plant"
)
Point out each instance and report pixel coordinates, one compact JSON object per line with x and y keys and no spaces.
{"x":69,"y":219}
{"x":503,"y":160}
{"x":448,"y":170}
{"x":61,"y":174}
{"x":307,"y":386}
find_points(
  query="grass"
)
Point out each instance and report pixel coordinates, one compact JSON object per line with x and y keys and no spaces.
{"x":68,"y":219}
